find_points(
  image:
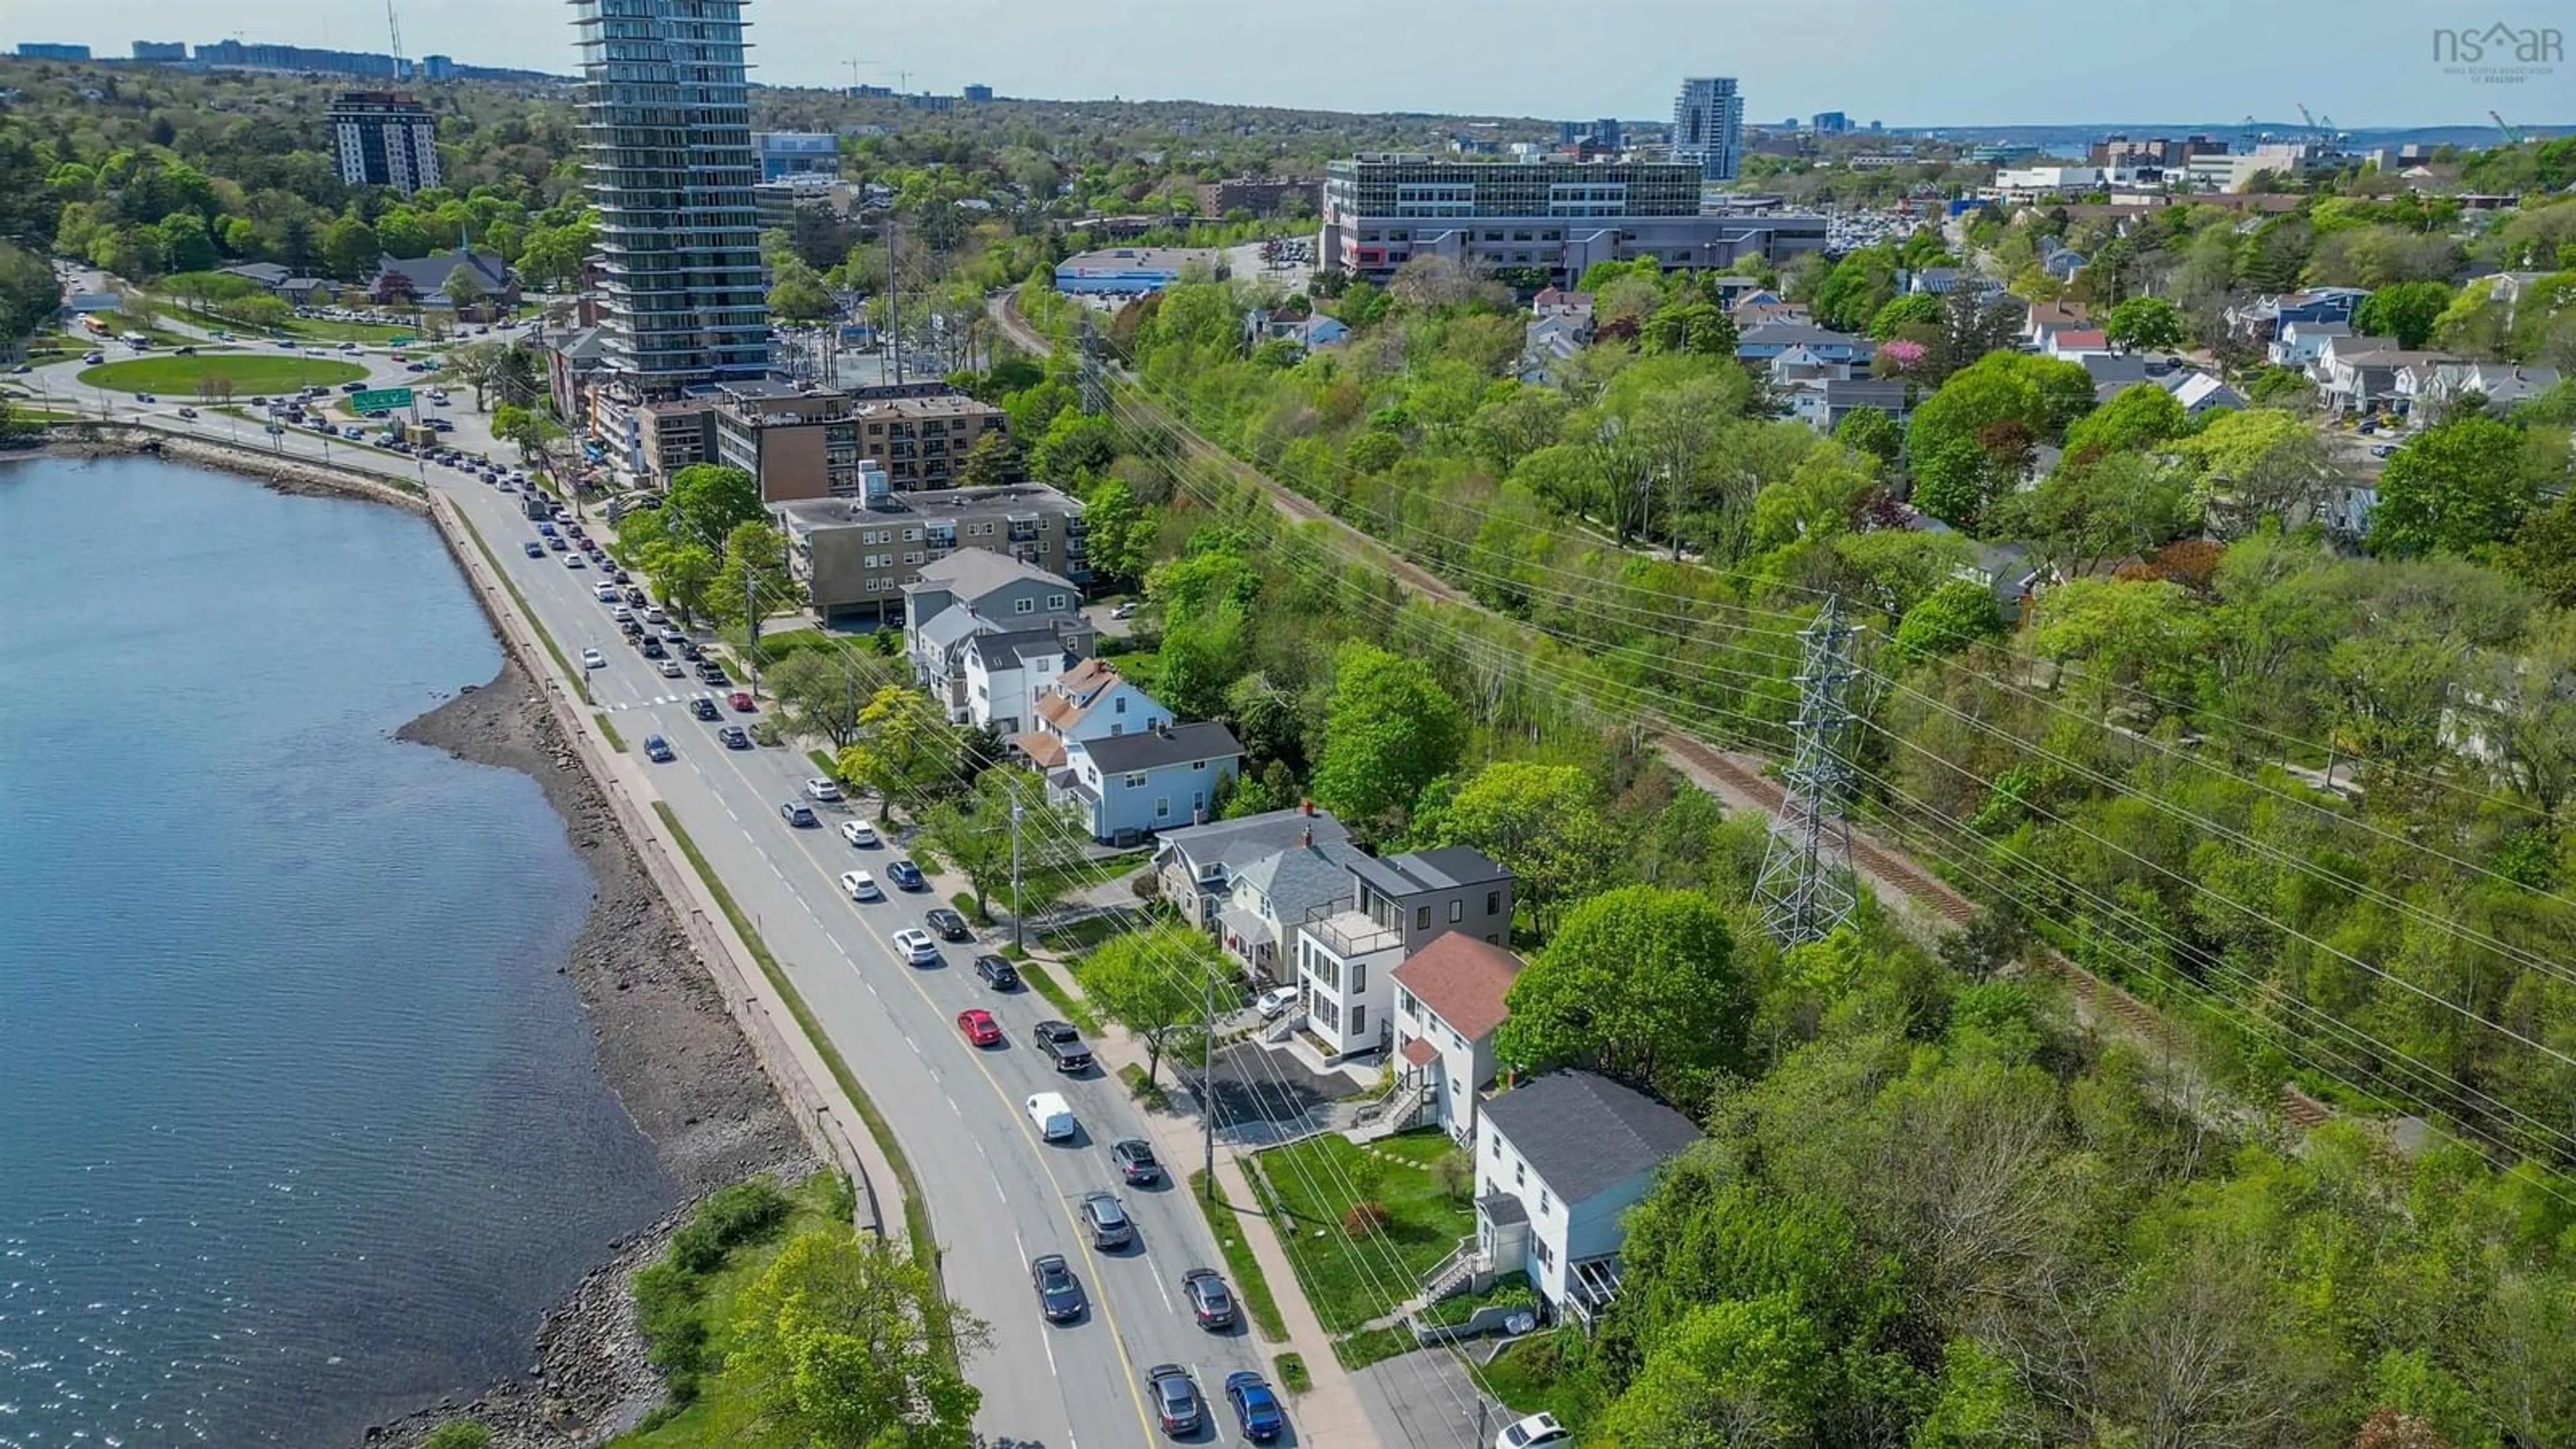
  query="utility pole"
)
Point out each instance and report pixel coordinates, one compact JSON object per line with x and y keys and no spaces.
{"x":1017,"y":939}
{"x":894,"y":305}
{"x":1807,"y":886}
{"x":1207,"y":1085}
{"x":751,"y":624}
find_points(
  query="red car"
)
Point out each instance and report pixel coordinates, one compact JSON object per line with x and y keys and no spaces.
{"x":979,"y":1026}
{"x":741,"y":700}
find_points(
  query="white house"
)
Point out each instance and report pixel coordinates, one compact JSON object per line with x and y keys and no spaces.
{"x":1448,"y":1002}
{"x":2429,"y":388}
{"x":1006,"y":669}
{"x":2200,"y":392}
{"x":1088,"y":700}
{"x":1267,"y":897}
{"x":1344,"y":959}
{"x":1558,"y":1161}
{"x":2300,"y":342}
{"x":2067,"y":344}
{"x":1347,"y":949}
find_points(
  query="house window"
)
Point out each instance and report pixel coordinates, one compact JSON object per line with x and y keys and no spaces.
{"x":1456,"y":1042}
{"x":1055,"y":601}
{"x":1121,"y":705}
{"x":1024,"y":606}
{"x":1359,"y":977}
{"x":1404,"y":1002}
{"x":1422,"y":918}
{"x":1493,"y":902}
{"x":1538,"y":1248}
{"x":1198,"y":764}
{"x":1542,"y":1202}
{"x":1134,"y":780}
{"x":1162,"y":807}
{"x":1498,"y":1147}
{"x":1359,"y":1017}
{"x":1520,"y":1174}
{"x":1457,"y":912}
{"x":913,"y":558}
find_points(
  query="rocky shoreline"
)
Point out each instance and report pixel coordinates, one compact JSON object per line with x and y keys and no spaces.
{"x":667,"y":1047}
{"x":278,"y":474}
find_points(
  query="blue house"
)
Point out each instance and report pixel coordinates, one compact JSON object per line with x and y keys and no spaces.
{"x":1767,"y":340}
{"x":1126,"y":787}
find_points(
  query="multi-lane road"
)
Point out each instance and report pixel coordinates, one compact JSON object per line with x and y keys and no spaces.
{"x":997,"y":1195}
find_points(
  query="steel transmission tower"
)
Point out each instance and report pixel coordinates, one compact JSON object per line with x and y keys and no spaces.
{"x":1095,"y":393}
{"x":1807,"y":883}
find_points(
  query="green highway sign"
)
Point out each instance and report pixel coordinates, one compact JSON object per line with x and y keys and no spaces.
{"x":386,"y":398}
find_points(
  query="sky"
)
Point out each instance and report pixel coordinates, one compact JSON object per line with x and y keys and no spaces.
{"x":1907,"y":62}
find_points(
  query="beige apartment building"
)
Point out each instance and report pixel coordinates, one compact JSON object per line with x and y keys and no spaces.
{"x":854,"y":555}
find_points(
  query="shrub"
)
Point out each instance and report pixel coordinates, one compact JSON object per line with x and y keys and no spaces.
{"x":1366,"y":1219}
{"x":458,"y":1434}
{"x":1455,"y":1174}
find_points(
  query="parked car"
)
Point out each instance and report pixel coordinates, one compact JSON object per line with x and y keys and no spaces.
{"x":979,"y":1027}
{"x":950,"y":925}
{"x":861,"y":886}
{"x":741,"y":700}
{"x":704,"y":708}
{"x":574,"y":561}
{"x":657,"y":749}
{"x":797,"y":813}
{"x":1535,"y":1432}
{"x":1276,"y":1002}
{"x":907,"y":876}
{"x":670,"y":669}
{"x":1211,"y":1302}
{"x":997,"y":972}
{"x":1135,"y":1159}
{"x":1105,"y":1218}
{"x":916,"y":947}
{"x":859,"y":833}
{"x":1176,"y":1398}
{"x":1256,"y":1408}
{"x":605,"y":592}
{"x":1059,"y":1292}
{"x":734,"y":738}
{"x":1124,"y":611}
{"x":819,"y":787}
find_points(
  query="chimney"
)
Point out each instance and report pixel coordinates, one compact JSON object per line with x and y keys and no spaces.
{"x":1306,"y":838}
{"x":1308,"y":806}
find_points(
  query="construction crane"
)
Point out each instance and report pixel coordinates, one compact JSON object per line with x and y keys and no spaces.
{"x":854,"y":70}
{"x":393,"y":30}
{"x":2512,"y":137}
{"x":2305,"y":116}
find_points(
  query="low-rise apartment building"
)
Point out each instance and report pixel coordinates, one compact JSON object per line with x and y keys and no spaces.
{"x":1559,"y":217}
{"x":859,"y":558}
{"x":1347,"y":950}
{"x":1195,"y":867}
{"x":803,"y":441}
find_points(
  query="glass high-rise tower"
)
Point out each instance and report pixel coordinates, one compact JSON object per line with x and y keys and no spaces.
{"x":1708,"y":126}
{"x":667,"y":160}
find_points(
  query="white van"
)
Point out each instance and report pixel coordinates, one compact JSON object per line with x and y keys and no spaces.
{"x":1053,"y":1118}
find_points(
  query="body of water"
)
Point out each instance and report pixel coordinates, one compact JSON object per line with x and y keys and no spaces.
{"x":297,"y":1121}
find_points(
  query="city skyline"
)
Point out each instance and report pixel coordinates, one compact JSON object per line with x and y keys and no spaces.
{"x":1521,"y":57}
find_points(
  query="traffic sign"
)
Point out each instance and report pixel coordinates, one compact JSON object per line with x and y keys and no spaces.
{"x":382,"y":398}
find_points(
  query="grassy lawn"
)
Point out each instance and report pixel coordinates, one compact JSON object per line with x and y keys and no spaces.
{"x":1043,"y":982}
{"x":119,"y":323}
{"x":1352,"y":1281}
{"x":1240,"y":1265}
{"x":616,"y":741}
{"x":1084,"y":934}
{"x":1529,"y":1377}
{"x":249,"y":373}
{"x":723,"y":1413}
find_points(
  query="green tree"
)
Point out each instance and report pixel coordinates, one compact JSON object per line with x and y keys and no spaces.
{"x":1692,"y":325}
{"x":2039,"y":394}
{"x":1915,"y":309}
{"x":848,"y":1343}
{"x":993,"y":460}
{"x":904,"y":747}
{"x":708,"y":501}
{"x":2083,"y":515}
{"x":818,"y":692}
{"x":2543,"y":552}
{"x":2146,"y":324}
{"x":1157,"y":983}
{"x":2407,"y":311}
{"x":1950,"y":483}
{"x":2456,"y":488}
{"x":350,"y":249}
{"x":799,"y":295}
{"x":1389,"y":730}
{"x":752,"y":582}
{"x":1735,"y":1372}
{"x":1118,"y":532}
{"x":1544,"y":823}
{"x":1872,"y":431}
{"x":682,"y":576}
{"x":2137,"y":417}
{"x":1948,"y":619}
{"x":2257,"y":464}
{"x":1641,"y":983}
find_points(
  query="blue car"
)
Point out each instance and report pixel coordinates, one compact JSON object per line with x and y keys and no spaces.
{"x":906,"y":875}
{"x":657,"y":749}
{"x":1255,"y":1407}
{"x":536,"y":550}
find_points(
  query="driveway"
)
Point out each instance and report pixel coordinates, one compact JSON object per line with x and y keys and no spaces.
{"x":1424,"y":1400}
{"x":1265,"y":1096}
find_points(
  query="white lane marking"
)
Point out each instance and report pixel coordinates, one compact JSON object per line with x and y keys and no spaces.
{"x":1168,"y":1306}
{"x":1047,"y":1342}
